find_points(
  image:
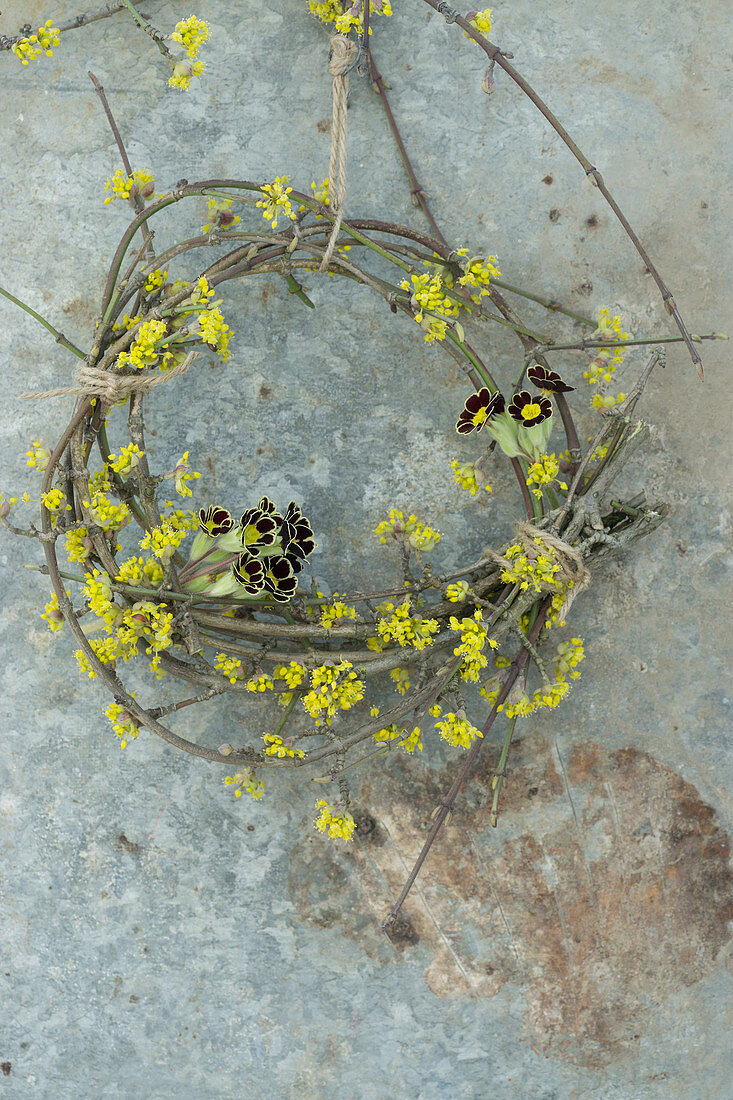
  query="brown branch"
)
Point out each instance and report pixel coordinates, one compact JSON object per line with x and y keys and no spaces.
{"x":495,"y":54}
{"x":446,"y":806}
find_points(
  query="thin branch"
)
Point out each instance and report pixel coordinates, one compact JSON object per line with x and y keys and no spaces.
{"x":495,"y":54}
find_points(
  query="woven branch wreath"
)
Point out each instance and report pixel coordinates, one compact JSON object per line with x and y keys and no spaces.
{"x":222,"y":597}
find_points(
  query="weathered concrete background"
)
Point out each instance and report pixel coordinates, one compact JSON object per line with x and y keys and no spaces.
{"x":161,"y":940}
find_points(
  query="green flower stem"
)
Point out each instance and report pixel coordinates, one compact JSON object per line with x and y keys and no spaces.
{"x":500,"y":775}
{"x":473,"y":359}
{"x":288,"y":711}
{"x":59,"y":337}
{"x":581,"y":345}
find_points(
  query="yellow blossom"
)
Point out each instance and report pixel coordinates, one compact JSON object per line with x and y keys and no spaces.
{"x":334,"y":820}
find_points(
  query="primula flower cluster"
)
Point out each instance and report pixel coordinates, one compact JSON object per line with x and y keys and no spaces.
{"x":43,"y":41}
{"x":258,"y":558}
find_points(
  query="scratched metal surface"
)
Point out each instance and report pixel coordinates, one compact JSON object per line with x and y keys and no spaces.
{"x":224,"y":950}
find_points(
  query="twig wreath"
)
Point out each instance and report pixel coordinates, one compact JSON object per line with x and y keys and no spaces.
{"x":216,"y":597}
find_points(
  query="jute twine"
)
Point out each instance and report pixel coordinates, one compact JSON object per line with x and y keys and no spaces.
{"x":341,"y":58}
{"x":110,"y":385}
{"x":572,"y":575}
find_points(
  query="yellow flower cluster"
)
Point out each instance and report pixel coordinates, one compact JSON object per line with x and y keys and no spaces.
{"x":543,"y":472}
{"x":123,"y":723}
{"x":260,"y":683}
{"x":78,"y":547}
{"x":478,"y":271}
{"x":336,"y":612}
{"x":474,"y":635}
{"x":43,"y":41}
{"x":401,"y":677}
{"x":183,"y":73}
{"x":127,"y":460}
{"x":52,"y":614}
{"x":220,"y":215}
{"x":245,"y":781}
{"x":536,"y":567}
{"x":164,"y":540}
{"x":403,"y":627}
{"x":464,"y":474}
{"x":228,"y":666}
{"x":481,"y":20}
{"x":215,"y":332}
{"x":108,"y":516}
{"x":141,"y":571}
{"x":333,"y":687}
{"x":457,"y":592}
{"x":416,"y":534}
{"x":606,"y":401}
{"x":53,"y":500}
{"x":407,"y":743}
{"x":191,"y":33}
{"x":182,"y":475}
{"x":329,"y":11}
{"x":38,"y":456}
{"x":121,"y":186}
{"x":427,"y":296}
{"x":276,"y":200}
{"x":277,"y":747}
{"x":144,"y":351}
{"x":155,"y":280}
{"x":337,"y":822}
{"x":292,"y":674}
{"x":457,"y":730}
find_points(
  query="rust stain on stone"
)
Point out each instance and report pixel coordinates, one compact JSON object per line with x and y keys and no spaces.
{"x":605,"y":889}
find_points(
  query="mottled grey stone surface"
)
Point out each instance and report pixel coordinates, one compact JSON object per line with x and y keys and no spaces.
{"x":212,"y":955}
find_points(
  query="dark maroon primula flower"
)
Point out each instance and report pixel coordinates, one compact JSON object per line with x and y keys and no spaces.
{"x":479,"y":408}
{"x":529,"y":409}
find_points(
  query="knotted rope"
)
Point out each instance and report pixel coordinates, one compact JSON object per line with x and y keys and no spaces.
{"x":572,"y":577}
{"x":341,"y":59}
{"x":111,"y":386}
